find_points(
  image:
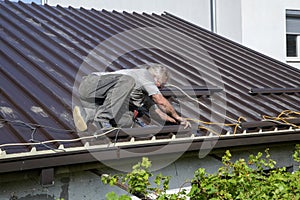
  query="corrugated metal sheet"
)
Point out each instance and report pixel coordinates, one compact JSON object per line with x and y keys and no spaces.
{"x":46,"y":50}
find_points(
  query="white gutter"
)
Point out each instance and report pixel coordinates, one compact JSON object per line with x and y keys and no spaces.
{"x":152,"y":141}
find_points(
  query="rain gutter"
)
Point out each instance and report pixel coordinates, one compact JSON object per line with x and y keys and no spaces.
{"x":120,"y":150}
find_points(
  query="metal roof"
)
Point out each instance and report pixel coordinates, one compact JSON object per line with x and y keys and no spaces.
{"x":46,"y":50}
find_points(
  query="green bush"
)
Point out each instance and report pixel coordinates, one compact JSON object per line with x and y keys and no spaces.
{"x":258,"y":178}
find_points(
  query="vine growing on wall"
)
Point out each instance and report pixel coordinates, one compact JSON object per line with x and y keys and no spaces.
{"x":257,"y":178}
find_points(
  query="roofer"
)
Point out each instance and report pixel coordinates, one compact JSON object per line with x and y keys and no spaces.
{"x":109,"y":98}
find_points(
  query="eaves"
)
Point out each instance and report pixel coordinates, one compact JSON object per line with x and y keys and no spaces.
{"x":120,"y":150}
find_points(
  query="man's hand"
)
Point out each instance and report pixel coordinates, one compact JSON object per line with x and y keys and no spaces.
{"x":168,"y":109}
{"x":184,"y":122}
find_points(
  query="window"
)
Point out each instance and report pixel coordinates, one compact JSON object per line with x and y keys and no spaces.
{"x":291,"y":45}
{"x":293,"y":34}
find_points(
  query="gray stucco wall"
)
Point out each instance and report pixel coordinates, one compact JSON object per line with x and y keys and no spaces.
{"x":77,"y":182}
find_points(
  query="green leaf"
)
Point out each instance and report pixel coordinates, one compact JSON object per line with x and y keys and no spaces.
{"x":238,"y":180}
{"x":124,"y":197}
{"x":146,"y":163}
{"x":111,"y":196}
{"x":157,"y":179}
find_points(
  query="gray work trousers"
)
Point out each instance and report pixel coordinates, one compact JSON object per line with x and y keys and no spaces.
{"x":106,"y":97}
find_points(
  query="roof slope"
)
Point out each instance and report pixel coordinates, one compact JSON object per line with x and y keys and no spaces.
{"x":46,"y":50}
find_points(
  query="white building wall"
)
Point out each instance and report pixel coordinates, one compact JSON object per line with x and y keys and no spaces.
{"x":257,"y":24}
{"x":229,"y":19}
{"x":264,"y":25}
{"x":194,"y":11}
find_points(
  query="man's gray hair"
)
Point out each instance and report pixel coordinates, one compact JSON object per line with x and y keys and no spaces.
{"x":159,"y":71}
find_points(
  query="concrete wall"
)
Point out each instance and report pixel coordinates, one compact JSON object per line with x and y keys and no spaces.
{"x":77,"y":182}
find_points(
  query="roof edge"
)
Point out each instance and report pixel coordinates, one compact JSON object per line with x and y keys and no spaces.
{"x":90,"y":154}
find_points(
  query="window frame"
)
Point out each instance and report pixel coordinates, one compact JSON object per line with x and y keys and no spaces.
{"x":292,"y":14}
{"x":295,"y":58}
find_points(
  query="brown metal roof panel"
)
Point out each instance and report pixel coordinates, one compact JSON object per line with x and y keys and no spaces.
{"x":234,"y":69}
{"x":44,"y":55}
{"x":244,"y":77}
{"x":37,"y":55}
{"x":260,"y":62}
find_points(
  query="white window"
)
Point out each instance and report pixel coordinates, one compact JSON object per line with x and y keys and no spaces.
{"x":293,"y":35}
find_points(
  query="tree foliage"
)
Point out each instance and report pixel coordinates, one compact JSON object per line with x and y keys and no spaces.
{"x":256,"y":178}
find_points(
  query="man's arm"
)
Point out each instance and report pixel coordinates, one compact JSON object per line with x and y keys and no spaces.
{"x":164,"y":116}
{"x":165,"y":106}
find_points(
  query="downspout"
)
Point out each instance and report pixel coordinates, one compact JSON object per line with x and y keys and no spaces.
{"x":213,"y":16}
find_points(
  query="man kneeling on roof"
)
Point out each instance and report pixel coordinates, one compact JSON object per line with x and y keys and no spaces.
{"x":109,"y":98}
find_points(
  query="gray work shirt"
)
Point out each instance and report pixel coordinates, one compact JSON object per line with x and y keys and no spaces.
{"x":144,"y":84}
